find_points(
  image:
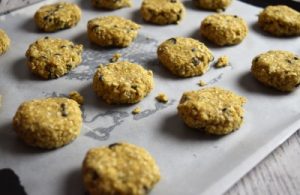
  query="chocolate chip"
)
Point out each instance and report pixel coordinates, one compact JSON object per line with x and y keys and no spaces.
{"x":63,"y":46}
{"x":113,"y":145}
{"x":173,"y":1}
{"x":94,"y":175}
{"x":134,"y":86}
{"x":69,"y":67}
{"x":224,"y":109}
{"x":288,"y":61}
{"x":296,"y":58}
{"x":256,"y":59}
{"x":173,"y":40}
{"x":235,"y":16}
{"x":63,"y":110}
{"x":57,"y":54}
{"x":46,"y":38}
{"x":194,"y":49}
{"x":196,"y":61}
{"x":46,"y":17}
{"x":94,"y":28}
{"x":101,"y":78}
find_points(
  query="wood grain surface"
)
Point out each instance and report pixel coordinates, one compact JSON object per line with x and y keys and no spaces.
{"x":277,"y":174}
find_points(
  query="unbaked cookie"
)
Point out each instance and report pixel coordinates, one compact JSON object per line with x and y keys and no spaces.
{"x":48,"y":123}
{"x":112,"y":31}
{"x":162,"y":11}
{"x":213,"y":4}
{"x":223,"y":29}
{"x":215,"y":110}
{"x":53,"y":57}
{"x":57,"y":16}
{"x":120,"y":168}
{"x":4,"y":42}
{"x":111,"y":4}
{"x":280,"y":20}
{"x":184,"y":57}
{"x":122,"y":82}
{"x":278,"y":69}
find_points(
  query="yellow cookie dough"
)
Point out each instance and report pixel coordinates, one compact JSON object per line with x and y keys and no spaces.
{"x":280,"y":20}
{"x":213,"y":4}
{"x":223,"y":29}
{"x":122,"y":82}
{"x":278,"y":69}
{"x":215,"y":110}
{"x":48,"y":123}
{"x":112,"y":31}
{"x":120,"y":168}
{"x":162,"y":11}
{"x":111,"y":4}
{"x":184,"y":57}
{"x":57,"y":16}
{"x":53,"y":57}
{"x":4,"y":42}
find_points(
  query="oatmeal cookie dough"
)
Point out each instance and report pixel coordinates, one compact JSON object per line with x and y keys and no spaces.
{"x":57,"y":16}
{"x":278,"y":69}
{"x":280,"y":20}
{"x":213,"y":4}
{"x":112,"y":31}
{"x":48,"y":123}
{"x":111,"y":4}
{"x":4,"y":42}
{"x":215,"y":110}
{"x":122,"y":82}
{"x":120,"y":168}
{"x":223,"y":29}
{"x":162,"y":12}
{"x":184,"y":57}
{"x":53,"y":57}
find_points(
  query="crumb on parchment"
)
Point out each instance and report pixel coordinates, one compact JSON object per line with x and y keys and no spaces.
{"x":222,"y":61}
{"x":161,"y":97}
{"x":74,"y":95}
{"x":115,"y":57}
{"x":202,"y":83}
{"x":137,"y":110}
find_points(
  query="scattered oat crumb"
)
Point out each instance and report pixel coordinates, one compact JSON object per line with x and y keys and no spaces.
{"x":115,"y":57}
{"x":74,"y":95}
{"x":202,"y":83}
{"x":137,"y":110}
{"x":222,"y":61}
{"x":161,"y":97}
{"x":220,"y":10}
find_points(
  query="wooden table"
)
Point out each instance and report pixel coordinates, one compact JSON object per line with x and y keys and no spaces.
{"x":277,"y":174}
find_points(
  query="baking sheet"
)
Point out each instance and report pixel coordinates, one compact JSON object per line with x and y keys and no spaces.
{"x":190,"y":162}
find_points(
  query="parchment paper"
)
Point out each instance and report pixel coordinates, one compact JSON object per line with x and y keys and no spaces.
{"x":190,"y":161}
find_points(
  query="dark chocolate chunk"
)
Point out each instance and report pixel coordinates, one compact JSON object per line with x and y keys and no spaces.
{"x":196,"y":61}
{"x":173,"y":40}
{"x":173,"y":1}
{"x":63,"y":109}
{"x":113,"y":145}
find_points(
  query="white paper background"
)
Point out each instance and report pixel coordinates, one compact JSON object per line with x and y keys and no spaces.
{"x":190,"y":162}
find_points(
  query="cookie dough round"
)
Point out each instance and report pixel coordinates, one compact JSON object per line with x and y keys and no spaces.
{"x":184,"y":57}
{"x":215,"y":110}
{"x":162,"y":12}
{"x":111,"y":4}
{"x":223,"y":29}
{"x":4,"y":42}
{"x":280,"y":20}
{"x":53,"y":57}
{"x":57,"y":16}
{"x":122,"y":82}
{"x":48,"y":123}
{"x":213,"y":4}
{"x":120,"y":168}
{"x":278,"y":69}
{"x":112,"y":31}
